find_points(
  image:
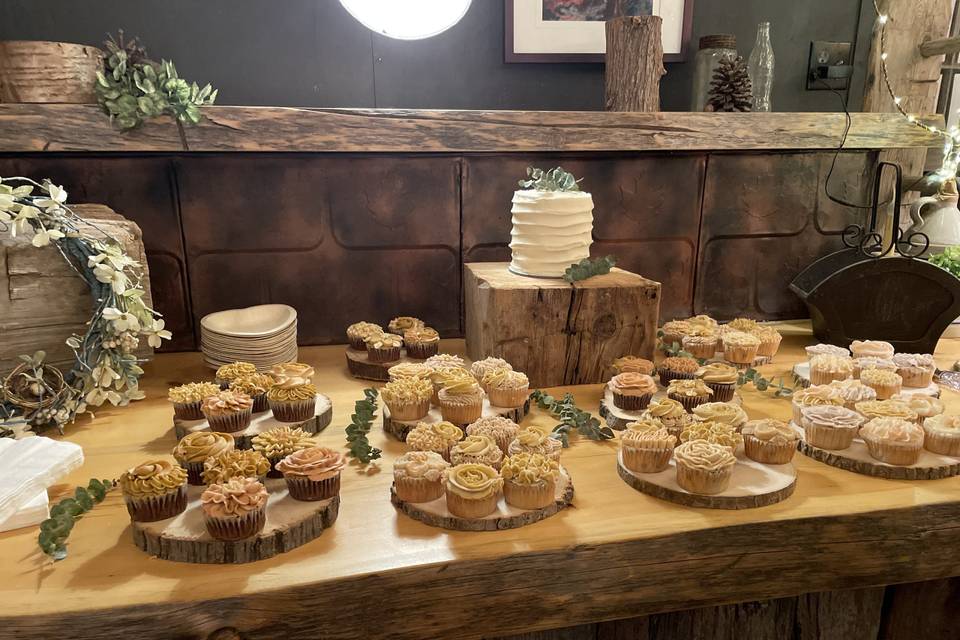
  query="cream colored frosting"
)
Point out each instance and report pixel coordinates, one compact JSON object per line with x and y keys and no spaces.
{"x":832,"y":416}
{"x":406,"y":391}
{"x":668,"y":411}
{"x":495,"y":427}
{"x":506,"y":379}
{"x":870,"y":362}
{"x":943,"y":424}
{"x":923,"y":406}
{"x":234,"y":464}
{"x":886,"y":409}
{"x":476,"y":448}
{"x":443,"y":377}
{"x":426,"y":465}
{"x":676,"y":328}
{"x":703,"y":320}
{"x":401,"y":323}
{"x":876,"y":348}
{"x":766,"y":334}
{"x":444,"y":361}
{"x":226,"y":403}
{"x":409,"y":370}
{"x":152,"y":479}
{"x":880,"y":377}
{"x":632,"y":384}
{"x":694,"y":388}
{"x":551,"y":230}
{"x":740,"y":339}
{"x":200,"y":445}
{"x":234,"y":498}
{"x":680,"y":365}
{"x":645,"y":423}
{"x":633,"y":364}
{"x":721,"y":412}
{"x":534,"y":440}
{"x":281,"y":441}
{"x":816,"y":395}
{"x":530,"y":469}
{"x":743,"y":325}
{"x":473,"y":481}
{"x":893,"y":430}
{"x":696,"y":340}
{"x":235,"y":370}
{"x":315,"y":463}
{"x":421,"y":335}
{"x":826,"y":349}
{"x":852,"y":390}
{"x":292,"y":389}
{"x":363,"y":330}
{"x":703,"y":455}
{"x":923,"y":361}
{"x":384,"y":341}
{"x":834,"y":365}
{"x":292,"y":370}
{"x":716,"y":432}
{"x":437,"y":436}
{"x":769,"y":430}
{"x":647,"y":438}
{"x":463,"y":392}
{"x":718,"y":373}
{"x":480,"y":368}
{"x":192,"y":392}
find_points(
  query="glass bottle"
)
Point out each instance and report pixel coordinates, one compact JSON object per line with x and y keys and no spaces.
{"x":760,"y":68}
{"x":712,"y":49}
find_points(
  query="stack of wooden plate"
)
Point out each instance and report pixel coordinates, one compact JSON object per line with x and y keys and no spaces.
{"x":264,"y":335}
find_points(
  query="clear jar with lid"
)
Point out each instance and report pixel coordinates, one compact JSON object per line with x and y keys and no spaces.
{"x":712,"y":49}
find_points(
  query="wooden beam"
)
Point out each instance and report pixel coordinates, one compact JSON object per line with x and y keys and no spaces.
{"x":940,"y":47}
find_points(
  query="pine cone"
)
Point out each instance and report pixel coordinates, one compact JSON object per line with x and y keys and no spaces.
{"x":730,"y":89}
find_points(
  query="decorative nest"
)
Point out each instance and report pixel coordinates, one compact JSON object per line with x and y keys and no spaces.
{"x":22,"y":389}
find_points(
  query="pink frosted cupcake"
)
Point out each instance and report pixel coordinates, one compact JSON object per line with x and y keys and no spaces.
{"x":312,"y":474}
{"x":916,"y":369}
{"x":228,"y":411}
{"x":632,"y":391}
{"x":234,"y":510}
{"x":893,"y":440}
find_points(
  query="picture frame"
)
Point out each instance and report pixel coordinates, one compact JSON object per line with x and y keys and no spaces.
{"x":542,"y":31}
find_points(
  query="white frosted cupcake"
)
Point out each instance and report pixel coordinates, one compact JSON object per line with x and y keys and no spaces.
{"x":830,"y":426}
{"x":669,"y":413}
{"x":924,"y":406}
{"x":942,"y":435}
{"x":477,"y":448}
{"x":893,"y":440}
{"x":886,"y":383}
{"x":875,"y":348}
{"x":886,"y":409}
{"x":824,"y":369}
{"x":826,"y":349}
{"x":916,"y":369}
{"x":502,"y":430}
{"x":407,"y":398}
{"x":481,"y":368}
{"x":853,"y":391}
{"x":721,"y":412}
{"x":740,"y":347}
{"x":418,"y":476}
{"x":815,"y":396}
{"x":714,"y":432}
{"x":535,"y":440}
{"x":867,"y":363}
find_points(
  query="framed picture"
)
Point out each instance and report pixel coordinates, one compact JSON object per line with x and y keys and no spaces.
{"x":574,"y":30}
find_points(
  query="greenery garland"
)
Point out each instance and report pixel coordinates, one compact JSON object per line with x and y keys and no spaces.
{"x":587,"y":268}
{"x":55,"y":529}
{"x":572,"y":418}
{"x":106,"y":368}
{"x":360,"y":422}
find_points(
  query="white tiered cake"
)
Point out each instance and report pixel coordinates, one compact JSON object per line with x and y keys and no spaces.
{"x":551,"y":231}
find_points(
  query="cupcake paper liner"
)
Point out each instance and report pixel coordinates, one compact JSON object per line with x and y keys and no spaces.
{"x":701,"y":481}
{"x":893,"y":452}
{"x":383,"y":355}
{"x":471,"y":509}
{"x":294,"y":410}
{"x":417,"y":489}
{"x":769,"y":347}
{"x":231,"y":422}
{"x":739,"y":355}
{"x":409,"y":412}
{"x":187,"y":410}
{"x":510,"y":398}
{"x":357,"y":343}
{"x":260,"y":403}
{"x":915,"y":377}
{"x":766,"y":452}
{"x":194,"y":472}
{"x":702,"y":351}
{"x":237,"y":528}
{"x":689,"y":402}
{"x":646,"y":460}
{"x":885,"y":391}
{"x":423,"y":350}
{"x":153,"y":508}
{"x":462,"y":413}
{"x":943,"y":444}
{"x":307,"y":490}
{"x":825,"y":377}
{"x":666,"y":375}
{"x":524,"y":496}
{"x":832,"y":438}
{"x":631,"y":403}
{"x":721,"y":392}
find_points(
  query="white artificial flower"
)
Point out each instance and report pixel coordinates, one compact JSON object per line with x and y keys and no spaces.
{"x":156,"y":334}
{"x":98,"y":396}
{"x":121,"y":320}
{"x":108,"y":275}
{"x":43,"y":237}
{"x":6,"y":201}
{"x":103,"y":375}
{"x":57,"y":197}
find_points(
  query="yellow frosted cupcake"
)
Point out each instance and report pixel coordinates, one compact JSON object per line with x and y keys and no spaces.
{"x":256,"y":386}
{"x":815,"y":396}
{"x":313,"y":473}
{"x":194,"y":448}
{"x":438,"y":437}
{"x":461,"y":402}
{"x":871,"y":348}
{"x":670,"y":414}
{"x":535,"y":440}
{"x":384,"y":347}
{"x":715,"y":432}
{"x":445,"y":376}
{"x":238,"y":463}
{"x":721,"y":378}
{"x":830,"y":426}
{"x":154,"y":490}
{"x":293,"y":400}
{"x":234,"y":510}
{"x":418,"y":476}
{"x":770,"y":340}
{"x":230,"y":372}
{"x":482,"y":368}
{"x":400,"y":324}
{"x":228,"y":411}
{"x":477,"y":448}
{"x":472,"y":490}
{"x":407,"y":398}
{"x":769,"y":441}
{"x":893,"y":440}
{"x":359,"y":332}
{"x":633,"y":364}
{"x":721,"y":412}
{"x":409,"y":370}
{"x":942,"y":435}
{"x":689,"y":393}
{"x":916,"y":369}
{"x":421,"y":342}
{"x":632,"y":391}
{"x":886,"y":409}
{"x":704,"y":467}
{"x":187,"y":399}
{"x":886,"y":383}
{"x":278,"y":443}
{"x":502,"y":430}
{"x":530,"y":480}
{"x":673,"y":332}
{"x":646,"y":446}
{"x":740,"y":347}
{"x":506,"y":388}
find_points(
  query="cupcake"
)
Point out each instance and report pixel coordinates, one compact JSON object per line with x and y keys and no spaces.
{"x":407,"y":398}
{"x":646,"y":447}
{"x":826,"y":349}
{"x":187,"y":399}
{"x":529,"y":480}
{"x":942,"y":435}
{"x":461,"y":402}
{"x":916,"y":369}
{"x":632,"y":391}
{"x":769,"y":441}
{"x":278,"y":443}
{"x":359,"y":332}
{"x":703,"y":467}
{"x":824,"y":369}
{"x":853,"y":391}
{"x":633,"y":364}
{"x":481,"y":368}
{"x":869,"y":362}
{"x":472,"y":490}
{"x":288,"y":370}
{"x":689,"y":393}
{"x":677,"y":369}
{"x":669,"y":413}
{"x":502,"y":430}
{"x":444,"y":361}
{"x":234,"y":510}
{"x":238,"y":463}
{"x":228,"y":411}
{"x":701,"y":343}
{"x":770,"y":340}
{"x":703,"y":321}
{"x":401,"y":324}
{"x":293,"y":400}
{"x":830,"y":426}
{"x":421,"y":342}
{"x":740,"y":347}
{"x":443,"y":377}
{"x":230,"y":372}
{"x":506,"y":388}
{"x":743,"y":325}
{"x":885,"y":383}
{"x":874,"y":348}
{"x":721,"y":412}
{"x":418,"y":476}
{"x":256,"y":386}
{"x":535,"y":440}
{"x":477,"y":448}
{"x":815,"y":396}
{"x":384,"y":347}
{"x":713,"y":432}
{"x":312,"y":474}
{"x":154,"y":490}
{"x":194,"y":448}
{"x":870,"y":409}
{"x":924,"y":406}
{"x":438,"y":437}
{"x":409,"y":370}
{"x":893,"y":440}
{"x":674,"y":331}
{"x":721,"y":378}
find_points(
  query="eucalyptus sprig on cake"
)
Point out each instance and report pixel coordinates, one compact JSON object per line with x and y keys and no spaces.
{"x":752,"y":376}
{"x":55,"y":530}
{"x":589,"y":267}
{"x":572,"y":418}
{"x":358,"y":429}
{"x":555,"y":179}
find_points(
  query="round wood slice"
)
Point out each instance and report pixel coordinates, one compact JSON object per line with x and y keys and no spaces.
{"x":290,"y":523}
{"x":261,"y":422}
{"x":435,"y":513}
{"x":751,"y":485}
{"x":399,"y":429}
{"x":801,"y":375}
{"x":618,"y":418}
{"x":360,"y":365}
{"x":856,"y":458}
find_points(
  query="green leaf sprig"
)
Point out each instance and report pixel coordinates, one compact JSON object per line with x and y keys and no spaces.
{"x":551,"y":180}
{"x":361,"y":420}
{"x":55,"y":530}
{"x":587,"y":268}
{"x":571,"y":418}
{"x":675,"y":349}
{"x":779,"y":389}
{"x":949,"y":260}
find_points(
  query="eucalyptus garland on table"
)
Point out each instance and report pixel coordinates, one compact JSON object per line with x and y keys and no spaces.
{"x":572,"y":418}
{"x":106,"y":368}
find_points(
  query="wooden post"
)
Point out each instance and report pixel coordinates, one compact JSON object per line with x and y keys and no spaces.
{"x":634,"y":63}
{"x":50,"y":72}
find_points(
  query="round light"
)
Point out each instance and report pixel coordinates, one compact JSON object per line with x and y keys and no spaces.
{"x":407,"y":19}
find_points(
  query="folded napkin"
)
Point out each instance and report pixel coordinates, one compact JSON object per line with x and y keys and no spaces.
{"x":28,"y":467}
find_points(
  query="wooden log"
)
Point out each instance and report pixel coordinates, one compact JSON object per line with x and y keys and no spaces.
{"x":940,"y":47}
{"x":634,"y":63}
{"x":555,"y":332}
{"x":48,"y":72}
{"x":361,"y":366}
{"x":400,"y":428}
{"x":857,"y":458}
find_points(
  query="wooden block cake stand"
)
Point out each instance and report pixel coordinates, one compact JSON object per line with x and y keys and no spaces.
{"x":262,"y":422}
{"x":360,"y":366}
{"x":618,"y":418}
{"x":435,"y":513}
{"x":801,"y":375}
{"x":399,"y":429}
{"x":289,"y":524}
{"x":751,"y":485}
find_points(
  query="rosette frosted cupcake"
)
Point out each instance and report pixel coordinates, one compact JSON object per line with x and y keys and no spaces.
{"x":442,"y":377}
{"x":535,"y":440}
{"x":293,"y":399}
{"x":704,"y":467}
{"x":506,"y":388}
{"x":409,"y":370}
{"x":721,"y":378}
{"x":893,"y":440}
{"x":400,"y":324}
{"x":444,"y":361}
{"x":421,"y":342}
{"x":359,"y":332}
{"x":194,"y":448}
{"x":482,"y":368}
{"x":384,"y":347}
{"x":238,"y":463}
{"x":769,"y":441}
{"x":721,"y":412}
{"x":689,"y":393}
{"x":234,"y":510}
{"x":703,"y":321}
{"x":529,"y":480}
{"x":418,"y":476}
{"x":871,"y":348}
{"x":278,"y":443}
{"x":830,"y":426}
{"x":472,"y":490}
{"x":886,"y":409}
{"x":187,"y":399}
{"x":826,"y":349}
{"x":297,"y":370}
{"x":669,"y":413}
{"x":673,"y":332}
{"x":886,"y":383}
{"x":740,"y":347}
{"x":256,"y":386}
{"x":824,"y":369}
{"x":438,"y":437}
{"x":502,"y":430}
{"x":461,"y":402}
{"x":632,"y":391}
{"x":924,"y":406}
{"x":477,"y":448}
{"x":154,"y":490}
{"x":770,"y":340}
{"x":633,"y":364}
{"x":230,"y":372}
{"x":407,"y":398}
{"x":312,"y":474}
{"x":677,"y":369}
{"x":701,"y":343}
{"x":646,"y":447}
{"x":853,"y":391}
{"x":942,"y":435}
{"x":743,"y":325}
{"x":916,"y":369}
{"x":815,"y":396}
{"x":228,"y":411}
{"x":713,"y":432}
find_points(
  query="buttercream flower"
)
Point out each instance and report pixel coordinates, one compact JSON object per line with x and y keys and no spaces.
{"x":473,"y":481}
{"x":235,"y":497}
{"x":315,"y":463}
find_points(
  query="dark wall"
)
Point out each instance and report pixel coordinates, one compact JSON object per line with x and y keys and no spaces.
{"x":313,"y":53}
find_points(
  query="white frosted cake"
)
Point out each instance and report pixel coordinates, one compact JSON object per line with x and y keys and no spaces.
{"x":551,"y":231}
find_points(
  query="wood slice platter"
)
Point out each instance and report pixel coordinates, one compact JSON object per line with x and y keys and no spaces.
{"x":261,"y":422}
{"x":360,"y":366}
{"x":435,"y":513}
{"x":618,"y":418}
{"x":752,"y":485}
{"x":801,"y":375}
{"x":290,"y":523}
{"x":400,"y":428}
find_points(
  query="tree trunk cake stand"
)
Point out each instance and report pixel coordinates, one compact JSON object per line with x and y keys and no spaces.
{"x":801,"y":375}
{"x":262,"y":422}
{"x":289,"y":524}
{"x":360,"y":366}
{"x":400,"y":428}
{"x":618,"y":418}
{"x":752,"y":485}
{"x":435,"y":513}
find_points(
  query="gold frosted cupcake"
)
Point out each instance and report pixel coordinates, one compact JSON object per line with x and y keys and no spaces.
{"x":866,"y":363}
{"x":714,"y":432}
{"x":187,"y":399}
{"x":886,"y":383}
{"x":721,"y":378}
{"x":893,"y":440}
{"x":400,"y":324}
{"x":506,"y":388}
{"x":924,"y":406}
{"x":830,"y":426}
{"x":721,"y":412}
{"x":740,"y":347}
{"x":632,"y":391}
{"x":701,"y":343}
{"x":418,"y":476}
{"x":633,"y":364}
{"x":234,"y":510}
{"x":194,"y":448}
{"x":677,"y":369}
{"x":472,"y":490}
{"x":312,"y":474}
{"x":942,"y":435}
{"x":670,"y":414}
{"x":287,"y":370}
{"x":384,"y":347}
{"x":409,"y":370}
{"x":461,"y":402}
{"x":421,"y":342}
{"x":256,"y":386}
{"x":689,"y":393}
{"x":529,"y":480}
{"x":154,"y":490}
{"x":704,"y":467}
{"x":477,"y":448}
{"x":502,"y":430}
{"x":230,"y":372}
{"x":886,"y":409}
{"x":238,"y":463}
{"x":769,"y":441}
{"x":444,"y":361}
{"x":535,"y":440}
{"x":443,"y":377}
{"x":703,"y":321}
{"x":770,"y":340}
{"x":359,"y":332}
{"x":488,"y":366}
{"x":278,"y":443}
{"x":916,"y":369}
{"x":673,"y":332}
{"x":293,"y":400}
{"x":871,"y":348}
{"x":407,"y":398}
{"x":646,"y":446}
{"x":438,"y":437}
{"x":744,"y":325}
{"x":228,"y":411}
{"x":824,"y":369}
{"x":815,"y":396}
{"x":853,"y":391}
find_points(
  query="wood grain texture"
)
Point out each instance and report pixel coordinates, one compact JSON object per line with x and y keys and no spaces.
{"x":50,"y":72}
{"x":872,"y":468}
{"x":634,"y":63}
{"x":362,"y":367}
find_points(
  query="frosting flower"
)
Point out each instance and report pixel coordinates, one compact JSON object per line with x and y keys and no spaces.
{"x":235,"y":497}
{"x":234,"y":464}
{"x":632,"y":384}
{"x":820,"y":394}
{"x":886,"y":409}
{"x":235,"y":370}
{"x":694,"y":388}
{"x":200,"y":445}
{"x":704,"y":455}
{"x":315,"y":463}
{"x":280,"y":442}
{"x":853,"y":391}
{"x":830,"y":416}
{"x":192,"y":392}
{"x":421,"y":335}
{"x":506,"y":379}
{"x":923,"y":406}
{"x":292,"y":370}
{"x":893,"y":430}
{"x":721,"y":412}
{"x":402,"y":323}
{"x":153,"y":478}
{"x":292,"y":389}
{"x":718,"y":373}
{"x":428,"y":465}
{"x":633,"y":364}
{"x":477,"y":448}
{"x":670,"y":412}
{"x":715,"y":432}
{"x":409,"y":370}
{"x":226,"y":402}
{"x":530,"y":469}
{"x":473,"y":481}
{"x":770,"y":430}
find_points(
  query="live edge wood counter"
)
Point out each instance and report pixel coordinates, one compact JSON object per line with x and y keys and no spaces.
{"x":376,"y":573}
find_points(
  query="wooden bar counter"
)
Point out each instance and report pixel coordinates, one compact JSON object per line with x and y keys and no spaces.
{"x":617,"y":554}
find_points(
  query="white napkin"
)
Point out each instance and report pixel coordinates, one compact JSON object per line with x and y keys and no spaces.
{"x":29,"y":466}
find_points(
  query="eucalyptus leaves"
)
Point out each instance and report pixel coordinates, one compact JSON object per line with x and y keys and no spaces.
{"x":55,"y":529}
{"x":572,"y":418}
{"x":360,"y":422}
{"x":551,"y":180}
{"x":587,"y":268}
